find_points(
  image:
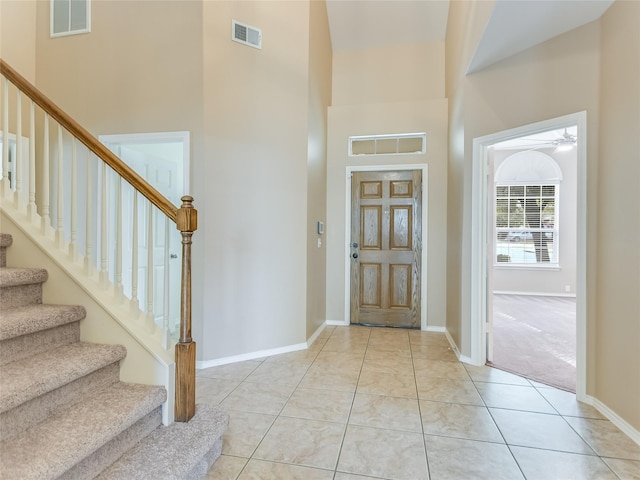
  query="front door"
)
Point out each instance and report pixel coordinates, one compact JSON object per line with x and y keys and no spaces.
{"x":386,"y":248}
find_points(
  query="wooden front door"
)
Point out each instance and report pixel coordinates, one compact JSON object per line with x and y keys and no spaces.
{"x":386,"y":248}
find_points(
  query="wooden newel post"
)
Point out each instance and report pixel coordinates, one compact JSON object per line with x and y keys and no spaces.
{"x":185,"y":408}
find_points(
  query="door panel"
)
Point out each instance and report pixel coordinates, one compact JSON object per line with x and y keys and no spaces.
{"x":386,"y":209}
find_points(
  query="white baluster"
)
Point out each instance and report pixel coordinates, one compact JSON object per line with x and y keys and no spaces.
{"x":17,"y":170}
{"x":60,"y":193}
{"x":88,"y":258}
{"x":150,"y":318}
{"x":32,"y":209}
{"x":134,"y":304}
{"x":45,"y":176}
{"x":6,"y":187}
{"x":74,"y":201}
{"x":165,"y":289}
{"x":118,"y":287}
{"x":104,"y":273}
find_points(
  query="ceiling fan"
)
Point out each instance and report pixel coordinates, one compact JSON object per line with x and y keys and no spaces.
{"x":561,"y":141}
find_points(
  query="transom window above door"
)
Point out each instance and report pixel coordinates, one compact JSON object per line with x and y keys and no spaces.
{"x":396,"y":144}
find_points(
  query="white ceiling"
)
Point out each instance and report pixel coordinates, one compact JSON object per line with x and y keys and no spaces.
{"x":514,"y":26}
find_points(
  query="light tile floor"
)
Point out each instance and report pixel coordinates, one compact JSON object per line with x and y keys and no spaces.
{"x":369,"y":403}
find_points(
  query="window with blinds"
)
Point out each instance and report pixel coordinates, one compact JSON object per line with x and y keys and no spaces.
{"x":399,"y":144}
{"x":70,"y":17}
{"x":526,"y":230}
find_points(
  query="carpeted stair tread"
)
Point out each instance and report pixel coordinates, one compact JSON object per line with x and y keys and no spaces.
{"x":27,"y":319}
{"x":11,"y":277}
{"x":23,"y":380}
{"x":50,"y":448}
{"x":173,"y":452}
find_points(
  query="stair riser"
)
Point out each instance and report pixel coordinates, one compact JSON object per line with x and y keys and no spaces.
{"x":16,"y":420}
{"x":91,"y":466}
{"x":201,"y":469}
{"x":5,"y":241}
{"x":20,"y":295}
{"x":22,"y":347}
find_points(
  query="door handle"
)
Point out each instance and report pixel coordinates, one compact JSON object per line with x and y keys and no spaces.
{"x":173,"y":255}
{"x":354,"y":255}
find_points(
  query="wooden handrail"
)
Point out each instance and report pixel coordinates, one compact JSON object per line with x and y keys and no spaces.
{"x":91,"y":142}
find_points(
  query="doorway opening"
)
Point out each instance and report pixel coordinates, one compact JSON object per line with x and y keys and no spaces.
{"x":530,"y":233}
{"x":162,"y":159}
{"x":531,"y":281}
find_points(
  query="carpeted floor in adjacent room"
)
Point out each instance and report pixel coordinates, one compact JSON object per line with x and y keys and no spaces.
{"x":535,"y":337}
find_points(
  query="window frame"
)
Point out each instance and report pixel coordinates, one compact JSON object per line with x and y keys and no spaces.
{"x":66,"y":33}
{"x":554,"y":263}
{"x":397,"y":138}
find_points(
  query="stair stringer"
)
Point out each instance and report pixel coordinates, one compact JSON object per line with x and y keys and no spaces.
{"x":108,"y":320}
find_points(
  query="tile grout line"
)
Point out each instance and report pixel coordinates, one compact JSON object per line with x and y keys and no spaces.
{"x":424,"y":436}
{"x":355,"y":392}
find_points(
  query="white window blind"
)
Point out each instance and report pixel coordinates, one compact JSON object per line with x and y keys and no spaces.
{"x":526,"y":219}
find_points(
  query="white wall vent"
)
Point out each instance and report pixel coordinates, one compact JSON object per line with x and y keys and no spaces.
{"x":243,"y":33}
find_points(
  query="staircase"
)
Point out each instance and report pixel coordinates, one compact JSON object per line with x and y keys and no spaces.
{"x":63,"y":411}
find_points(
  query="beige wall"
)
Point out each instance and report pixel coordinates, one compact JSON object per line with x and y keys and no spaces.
{"x":618,"y":282}
{"x":558,"y":77}
{"x":319,"y":101}
{"x":252,"y":115}
{"x":139,"y":70}
{"x":393,"y":74}
{"x":254,"y":179}
{"x":466,"y":23}
{"x":418,"y":116}
{"x":18,"y":36}
{"x":390,"y":90}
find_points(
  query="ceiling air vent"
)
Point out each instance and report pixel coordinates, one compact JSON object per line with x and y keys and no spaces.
{"x":246,"y":34}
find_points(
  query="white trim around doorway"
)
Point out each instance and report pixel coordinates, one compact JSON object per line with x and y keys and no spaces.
{"x":182,"y":137}
{"x":479,"y":216}
{"x":347,"y":238}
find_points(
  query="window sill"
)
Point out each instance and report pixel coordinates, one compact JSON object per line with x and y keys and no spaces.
{"x":522,"y":266}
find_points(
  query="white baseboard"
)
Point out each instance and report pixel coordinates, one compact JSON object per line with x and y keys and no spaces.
{"x":618,"y":421}
{"x":250,"y":356}
{"x":454,"y":347}
{"x":261,"y":353}
{"x":535,"y":294}
{"x":338,"y":323}
{"x":315,"y":335}
{"x":435,"y":329}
